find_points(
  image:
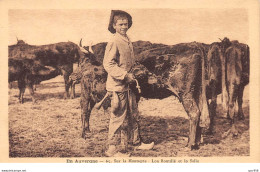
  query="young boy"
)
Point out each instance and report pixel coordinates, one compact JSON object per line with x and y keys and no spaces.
{"x":118,"y":60}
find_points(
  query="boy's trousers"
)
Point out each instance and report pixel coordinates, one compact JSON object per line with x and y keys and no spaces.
{"x":123,"y":127}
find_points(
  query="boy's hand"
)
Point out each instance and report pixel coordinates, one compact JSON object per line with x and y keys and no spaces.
{"x":129,"y":77}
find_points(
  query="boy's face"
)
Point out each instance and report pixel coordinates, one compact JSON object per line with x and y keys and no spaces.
{"x":121,"y":26}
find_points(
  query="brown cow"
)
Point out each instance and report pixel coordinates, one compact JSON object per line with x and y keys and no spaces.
{"x":213,"y":78}
{"x":93,"y":86}
{"x":180,"y":70}
{"x":60,"y":56}
{"x":237,"y":77}
{"x":28,"y":73}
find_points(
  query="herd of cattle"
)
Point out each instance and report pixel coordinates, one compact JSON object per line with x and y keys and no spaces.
{"x":193,"y":72}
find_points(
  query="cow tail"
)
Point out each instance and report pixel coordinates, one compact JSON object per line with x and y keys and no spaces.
{"x":204,"y":118}
{"x":224,"y":94}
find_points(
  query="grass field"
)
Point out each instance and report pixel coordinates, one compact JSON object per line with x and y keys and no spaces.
{"x":52,"y":127}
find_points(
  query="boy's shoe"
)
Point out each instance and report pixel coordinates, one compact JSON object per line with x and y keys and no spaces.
{"x":144,"y":146}
{"x":112,"y":152}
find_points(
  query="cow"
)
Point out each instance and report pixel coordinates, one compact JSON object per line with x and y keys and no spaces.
{"x":60,"y":56}
{"x":17,"y":72}
{"x":28,"y":73}
{"x":214,"y":83}
{"x":237,"y":77}
{"x":93,"y":87}
{"x":180,"y":71}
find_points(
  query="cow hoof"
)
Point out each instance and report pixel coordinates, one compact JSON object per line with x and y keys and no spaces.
{"x":192,"y":147}
{"x":225,"y":134}
{"x":65,"y":96}
{"x":85,"y":133}
{"x":84,"y":136}
{"x":234,"y":132}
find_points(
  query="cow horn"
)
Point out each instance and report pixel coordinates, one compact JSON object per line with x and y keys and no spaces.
{"x":220,"y":39}
{"x":80,"y":42}
{"x":17,"y":38}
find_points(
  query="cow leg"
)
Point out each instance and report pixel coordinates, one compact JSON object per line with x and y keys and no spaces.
{"x":213,"y":106}
{"x":240,"y":102}
{"x":232,"y":101}
{"x":86,"y":107}
{"x":206,"y":129}
{"x":31,"y":90}
{"x":84,"y":103}
{"x":66,"y":71}
{"x":231,"y":107}
{"x":21,"y":86}
{"x":21,"y":94}
{"x":192,"y":109}
{"x":66,"y":78}
{"x":72,"y":94}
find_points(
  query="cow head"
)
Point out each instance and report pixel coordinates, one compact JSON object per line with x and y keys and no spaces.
{"x":89,"y":56}
{"x":225,"y":43}
{"x":142,"y":75}
{"x":20,"y":42}
{"x":140,"y":71}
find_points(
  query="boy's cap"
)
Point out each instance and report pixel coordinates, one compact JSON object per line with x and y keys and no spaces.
{"x":111,"y":20}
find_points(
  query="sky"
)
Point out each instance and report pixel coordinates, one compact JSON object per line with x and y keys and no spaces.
{"x":168,"y":26}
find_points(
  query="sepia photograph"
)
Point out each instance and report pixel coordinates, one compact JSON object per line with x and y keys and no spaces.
{"x":131,"y":85}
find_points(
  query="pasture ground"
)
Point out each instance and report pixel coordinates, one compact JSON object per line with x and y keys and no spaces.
{"x":52,"y":127}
